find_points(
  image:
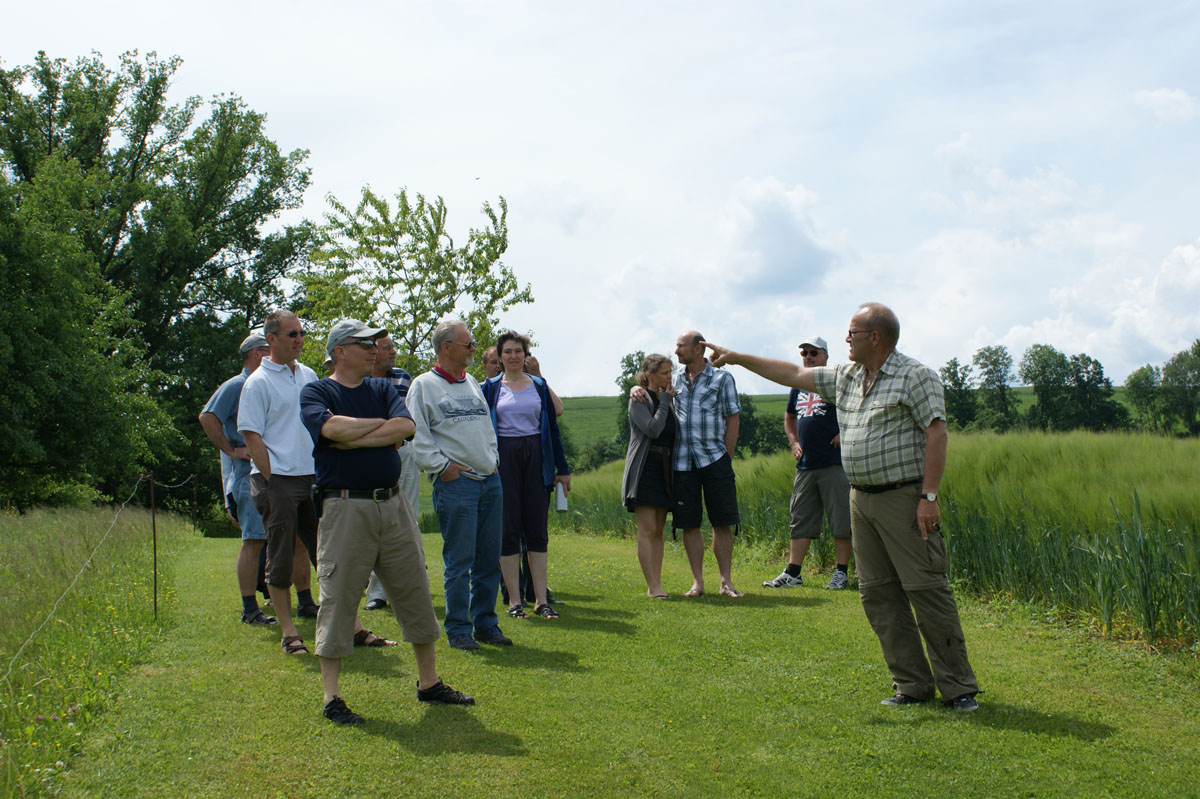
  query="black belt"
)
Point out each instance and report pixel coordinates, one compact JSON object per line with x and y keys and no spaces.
{"x":377,"y":494}
{"x":881,"y":488}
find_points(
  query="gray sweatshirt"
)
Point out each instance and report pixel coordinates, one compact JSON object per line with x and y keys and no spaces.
{"x":453,"y":424}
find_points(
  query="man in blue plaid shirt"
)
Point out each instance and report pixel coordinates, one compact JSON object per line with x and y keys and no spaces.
{"x":706,"y":410}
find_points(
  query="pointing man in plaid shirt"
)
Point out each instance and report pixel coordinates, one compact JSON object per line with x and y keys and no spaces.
{"x":892,"y":414}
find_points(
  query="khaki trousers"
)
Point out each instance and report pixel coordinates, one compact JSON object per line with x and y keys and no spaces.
{"x":900,"y":574}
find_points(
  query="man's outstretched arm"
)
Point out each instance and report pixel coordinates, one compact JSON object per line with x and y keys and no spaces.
{"x":782,"y":372}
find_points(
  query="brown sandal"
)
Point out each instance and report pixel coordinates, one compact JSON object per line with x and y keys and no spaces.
{"x":294,"y":645}
{"x":361,"y":639}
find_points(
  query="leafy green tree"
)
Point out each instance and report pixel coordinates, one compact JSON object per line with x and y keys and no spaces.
{"x":397,"y":266}
{"x":1091,"y":396}
{"x":78,"y":419}
{"x":758,"y":434}
{"x":631,"y":366}
{"x":959,"y":385}
{"x":1181,"y":388}
{"x":169,"y":209}
{"x":997,"y":411}
{"x":1048,"y":371}
{"x":1143,"y":387}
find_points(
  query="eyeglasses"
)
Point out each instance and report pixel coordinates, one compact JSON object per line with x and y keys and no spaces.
{"x":366,"y":343}
{"x":850,"y":333}
{"x":469,"y":345}
{"x":291,"y":333}
{"x":806,"y":353}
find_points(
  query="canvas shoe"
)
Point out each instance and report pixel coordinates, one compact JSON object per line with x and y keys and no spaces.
{"x":963,"y":704}
{"x":901,"y":700}
{"x":838,"y":581}
{"x":784,"y":580}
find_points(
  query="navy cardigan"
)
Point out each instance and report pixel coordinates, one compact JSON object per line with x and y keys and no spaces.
{"x":554,"y":460}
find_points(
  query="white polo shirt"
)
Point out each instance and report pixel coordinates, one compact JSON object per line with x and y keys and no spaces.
{"x":270,"y":406}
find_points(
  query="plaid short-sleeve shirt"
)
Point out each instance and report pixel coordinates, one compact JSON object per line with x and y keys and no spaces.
{"x":700,"y":410}
{"x":883,"y":432}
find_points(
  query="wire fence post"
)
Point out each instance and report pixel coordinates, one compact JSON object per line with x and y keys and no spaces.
{"x":154,"y":538}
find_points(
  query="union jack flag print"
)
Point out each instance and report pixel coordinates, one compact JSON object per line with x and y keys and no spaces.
{"x":808,"y":405}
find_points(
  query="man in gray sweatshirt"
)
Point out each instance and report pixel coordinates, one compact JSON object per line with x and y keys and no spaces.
{"x":455,"y":445}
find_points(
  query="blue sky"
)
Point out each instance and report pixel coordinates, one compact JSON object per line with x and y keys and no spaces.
{"x":999,"y":173}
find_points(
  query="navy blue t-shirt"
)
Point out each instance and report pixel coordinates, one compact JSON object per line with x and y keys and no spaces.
{"x":816,"y":425}
{"x":359,"y":469}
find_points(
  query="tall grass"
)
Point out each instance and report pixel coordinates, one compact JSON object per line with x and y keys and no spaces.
{"x":70,"y":664}
{"x":1104,"y":525}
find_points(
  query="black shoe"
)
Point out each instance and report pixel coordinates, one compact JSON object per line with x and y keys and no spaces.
{"x":443,"y":694}
{"x":464,"y":642}
{"x":307,"y":611}
{"x":259,"y":618}
{"x":376,"y":604}
{"x":337,"y":712}
{"x":493,"y":636}
{"x":963,"y":704}
{"x":550,"y":600}
{"x":900,"y":700}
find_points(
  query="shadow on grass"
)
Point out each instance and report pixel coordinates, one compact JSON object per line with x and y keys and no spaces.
{"x":443,"y":729}
{"x":528,"y":657}
{"x":1000,"y":716}
{"x":755,"y":600}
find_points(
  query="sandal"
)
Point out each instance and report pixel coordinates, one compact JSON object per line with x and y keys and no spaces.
{"x":546,"y":612}
{"x":517,"y":612}
{"x":294,"y":645}
{"x":730,"y":591}
{"x":361,"y":639}
{"x":694,"y":592}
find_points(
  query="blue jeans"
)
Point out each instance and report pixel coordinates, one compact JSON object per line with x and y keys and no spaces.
{"x":469,"y":515}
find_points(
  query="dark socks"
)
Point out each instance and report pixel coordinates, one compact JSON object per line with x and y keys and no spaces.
{"x":792,"y":570}
{"x":249,"y":604}
{"x":843,"y":567}
{"x":304,"y":597}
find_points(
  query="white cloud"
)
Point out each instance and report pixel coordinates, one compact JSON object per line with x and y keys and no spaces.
{"x":1167,"y":105}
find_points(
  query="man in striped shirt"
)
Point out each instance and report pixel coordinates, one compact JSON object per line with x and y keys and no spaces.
{"x":706,"y":410}
{"x":892,"y":414}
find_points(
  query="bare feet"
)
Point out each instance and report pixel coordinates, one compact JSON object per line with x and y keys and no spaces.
{"x":694,"y":591}
{"x":659,"y":594}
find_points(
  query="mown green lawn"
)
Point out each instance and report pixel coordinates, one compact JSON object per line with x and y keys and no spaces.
{"x":775,"y":694}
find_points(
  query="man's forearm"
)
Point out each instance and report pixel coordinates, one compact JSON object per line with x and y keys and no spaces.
{"x":935,"y":455}
{"x":731,"y":434}
{"x":212,"y":429}
{"x":349,"y":428}
{"x":388,"y":434}
{"x":258,"y":453}
{"x":782,"y":372}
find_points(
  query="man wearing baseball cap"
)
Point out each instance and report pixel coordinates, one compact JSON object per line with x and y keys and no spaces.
{"x":366,"y":523}
{"x":811,"y":426}
{"x":219,"y":420}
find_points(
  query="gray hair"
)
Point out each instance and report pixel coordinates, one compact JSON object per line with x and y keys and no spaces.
{"x":272,"y":323}
{"x":445,"y":332}
{"x":882,"y":318}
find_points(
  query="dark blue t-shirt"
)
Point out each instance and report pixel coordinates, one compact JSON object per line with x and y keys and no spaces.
{"x":359,"y":469}
{"x":816,"y":425}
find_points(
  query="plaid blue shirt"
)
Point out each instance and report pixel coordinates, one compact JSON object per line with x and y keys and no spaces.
{"x":700,"y":410}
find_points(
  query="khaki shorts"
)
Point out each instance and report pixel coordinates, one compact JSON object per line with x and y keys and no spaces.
{"x":356,"y":537}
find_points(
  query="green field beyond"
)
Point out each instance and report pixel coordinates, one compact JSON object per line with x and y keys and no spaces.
{"x":775,"y":694}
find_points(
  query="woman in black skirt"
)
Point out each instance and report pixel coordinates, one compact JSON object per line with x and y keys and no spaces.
{"x":646,"y":485}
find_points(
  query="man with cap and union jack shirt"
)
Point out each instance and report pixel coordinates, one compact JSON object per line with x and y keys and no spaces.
{"x":821,"y":486}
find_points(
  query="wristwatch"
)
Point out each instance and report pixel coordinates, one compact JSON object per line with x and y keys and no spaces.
{"x":930,"y":495}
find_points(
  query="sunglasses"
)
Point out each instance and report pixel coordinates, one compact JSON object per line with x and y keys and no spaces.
{"x":806,"y":353}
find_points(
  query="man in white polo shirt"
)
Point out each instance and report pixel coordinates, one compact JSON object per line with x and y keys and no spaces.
{"x":282,"y":474}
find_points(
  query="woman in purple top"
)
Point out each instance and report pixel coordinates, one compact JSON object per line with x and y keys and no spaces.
{"x":531,"y":462}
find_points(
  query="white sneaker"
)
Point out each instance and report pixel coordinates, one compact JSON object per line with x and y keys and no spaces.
{"x":838,"y":581}
{"x":784,"y":580}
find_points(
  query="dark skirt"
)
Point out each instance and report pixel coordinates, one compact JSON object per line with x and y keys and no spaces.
{"x":652,"y":488}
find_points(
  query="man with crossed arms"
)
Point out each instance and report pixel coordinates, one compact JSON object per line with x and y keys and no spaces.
{"x":356,"y":423}
{"x":893,"y":440}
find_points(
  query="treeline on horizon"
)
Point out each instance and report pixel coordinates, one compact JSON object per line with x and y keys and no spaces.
{"x":141,"y":239}
{"x":1069,"y":393}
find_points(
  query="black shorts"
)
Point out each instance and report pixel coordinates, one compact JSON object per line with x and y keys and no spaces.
{"x":716,"y":483}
